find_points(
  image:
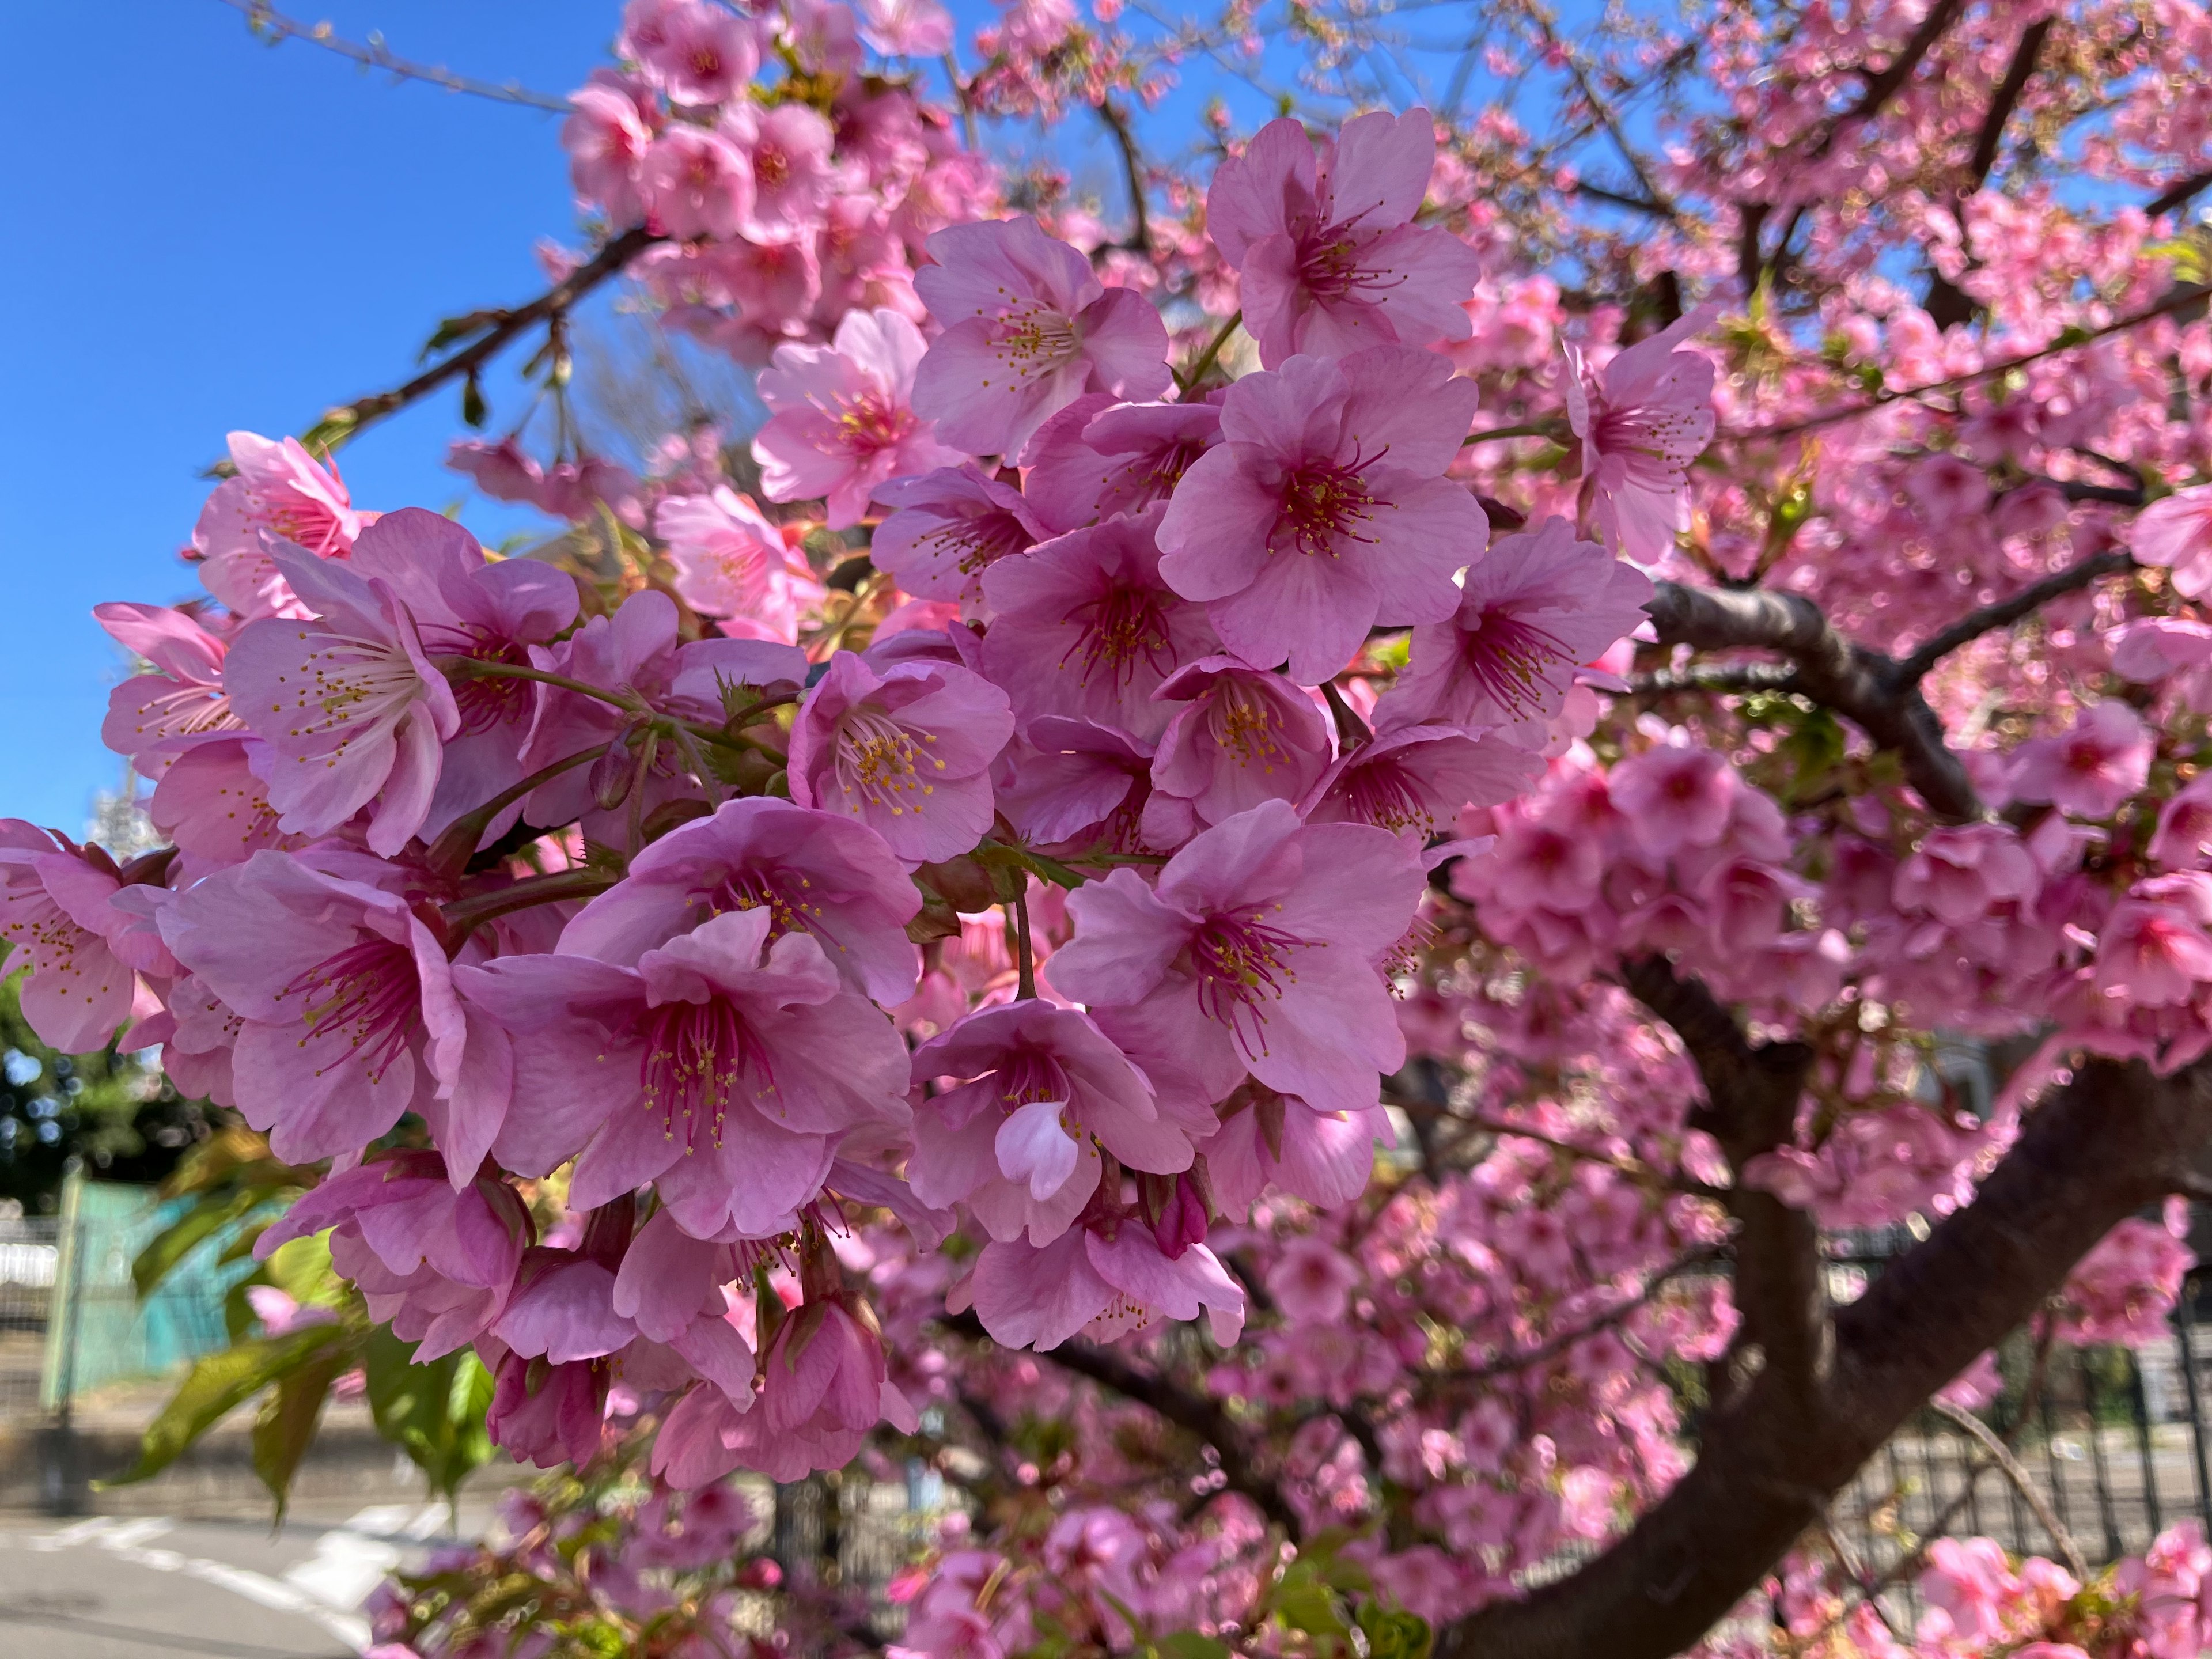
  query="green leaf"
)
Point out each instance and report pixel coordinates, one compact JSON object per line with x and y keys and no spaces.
{"x":1190,"y":1645}
{"x":289,"y":1418}
{"x":1393,"y":1633}
{"x":219,"y":1384}
{"x":474,"y":410}
{"x":452,"y":331}
{"x":208,"y":1217}
{"x":434,"y":1412}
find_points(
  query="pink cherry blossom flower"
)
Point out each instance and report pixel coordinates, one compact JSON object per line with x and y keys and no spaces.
{"x":1676,"y":798}
{"x":1331,"y":261}
{"x":1086,"y":628}
{"x":1534,"y":609}
{"x":1268,"y":1139}
{"x":1017,"y":1139}
{"x":813,"y":872}
{"x":697,"y":182}
{"x":183,"y":696}
{"x":906,"y":28}
{"x":1970,"y":1580}
{"x":1961,"y":872}
{"x":635,"y":652}
{"x":1323,"y":512}
{"x":841,"y":420}
{"x":721,"y":1066}
{"x":213,"y":805}
{"x":1255,"y":952}
{"x":348,"y":702}
{"x":2153,"y":949}
{"x":795,"y":177}
{"x":1311,"y":1282}
{"x":548,"y":1415}
{"x":951,"y":526}
{"x":434,"y":1262}
{"x":1098,"y":459}
{"x":732,"y":563}
{"x":2088,"y":772}
{"x":347,"y":1010}
{"x":58,"y":917}
{"x":1239,"y":737}
{"x":1418,"y":778}
{"x":1642,"y":423}
{"x":607,"y":140}
{"x":1028,"y":329}
{"x":2176,"y":532}
{"x":1099,"y":1280}
{"x":2184,"y":826}
{"x":703,"y":54}
{"x":281,"y":490}
{"x":1075,"y":781}
{"x":907,"y":752}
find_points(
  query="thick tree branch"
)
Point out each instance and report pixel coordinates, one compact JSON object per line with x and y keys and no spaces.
{"x":1883,"y":84}
{"x":2007,"y":612}
{"x":2177,"y":194}
{"x":2113,"y":1140}
{"x":1862,"y":685}
{"x":348,"y":419}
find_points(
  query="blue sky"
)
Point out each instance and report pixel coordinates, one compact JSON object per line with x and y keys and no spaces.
{"x":236,"y":235}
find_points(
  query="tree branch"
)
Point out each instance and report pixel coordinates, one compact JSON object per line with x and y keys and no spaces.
{"x":1884,"y":84}
{"x":347,"y":419}
{"x":1139,"y":239}
{"x":2007,"y":612}
{"x":2114,"y":1138}
{"x":2177,"y":194}
{"x":1862,"y":685}
{"x":1945,"y":302}
{"x":272,"y":26}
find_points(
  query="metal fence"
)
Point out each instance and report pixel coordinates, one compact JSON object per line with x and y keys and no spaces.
{"x":2108,"y":1446}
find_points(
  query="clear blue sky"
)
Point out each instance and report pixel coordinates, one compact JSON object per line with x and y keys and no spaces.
{"x":215,"y":234}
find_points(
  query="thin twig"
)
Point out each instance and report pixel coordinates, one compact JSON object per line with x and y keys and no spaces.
{"x":271,"y":25}
{"x":2001,"y":1454}
{"x":1139,"y":239}
{"x":2007,"y":612}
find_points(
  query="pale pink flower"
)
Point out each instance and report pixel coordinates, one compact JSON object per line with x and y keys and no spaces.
{"x":349,"y":701}
{"x":730,"y":562}
{"x":907,"y":752}
{"x":794,"y":175}
{"x":1961,"y":872}
{"x":722,"y":1066}
{"x":2176,"y":532}
{"x":1533,"y":610}
{"x":1418,"y":778}
{"x":607,"y":140}
{"x":950,"y":526}
{"x":703,"y":54}
{"x":1642,"y":423}
{"x":1098,"y":459}
{"x":1101,"y":1280}
{"x":1323,"y":512}
{"x":1674,"y":798}
{"x":2153,"y":950}
{"x":1312,"y":1282}
{"x":906,"y":28}
{"x":2184,"y":826}
{"x":1970,"y":1580}
{"x":1255,"y":952}
{"x":697,"y":182}
{"x":813,"y":872}
{"x":2099,"y":764}
{"x":1085,"y":628}
{"x":183,"y":696}
{"x":1239,"y":737}
{"x":1028,"y":329}
{"x":1017,"y":1139}
{"x":280,"y":490}
{"x":841,"y":420}
{"x":59,"y":918}
{"x":213,"y":804}
{"x":1268,"y":1139}
{"x":1332,"y":260}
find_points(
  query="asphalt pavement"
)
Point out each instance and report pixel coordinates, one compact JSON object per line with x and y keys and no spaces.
{"x":151,"y":1587}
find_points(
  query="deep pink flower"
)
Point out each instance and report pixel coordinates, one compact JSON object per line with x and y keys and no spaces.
{"x":281,"y":490}
{"x":906,"y":28}
{"x":701,"y":53}
{"x":347,"y":1010}
{"x":348,"y":700}
{"x":1642,"y":423}
{"x":607,"y":140}
{"x":1098,"y":459}
{"x":1085,"y":628}
{"x":1419,"y":777}
{"x":2184,"y":826}
{"x":722,"y":1073}
{"x":1239,"y":737}
{"x":1312,"y":1281}
{"x":1672,"y":798}
{"x":2153,"y":950}
{"x":1018,"y":1140}
{"x":1534,"y":609}
{"x":1323,"y":510}
{"x":697,"y":182}
{"x":433,"y":1260}
{"x":907,"y":752}
{"x":732,"y":563}
{"x":951,"y":526}
{"x":1331,"y":261}
{"x":58,"y":917}
{"x":1028,"y":329}
{"x":1102,"y":1280}
{"x":548,"y":1415}
{"x":2177,"y":533}
{"x":1074,"y":782}
{"x":1268,"y":1139}
{"x":841,"y":419}
{"x":182,"y":698}
{"x":2097,"y":765}
{"x":1255,"y":952}
{"x":813,"y":872}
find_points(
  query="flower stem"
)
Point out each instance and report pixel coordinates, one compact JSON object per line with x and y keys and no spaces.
{"x":1206,"y":358}
{"x":1025,"y":963}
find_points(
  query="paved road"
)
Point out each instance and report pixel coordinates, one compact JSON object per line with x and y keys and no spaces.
{"x":152,"y":1587}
